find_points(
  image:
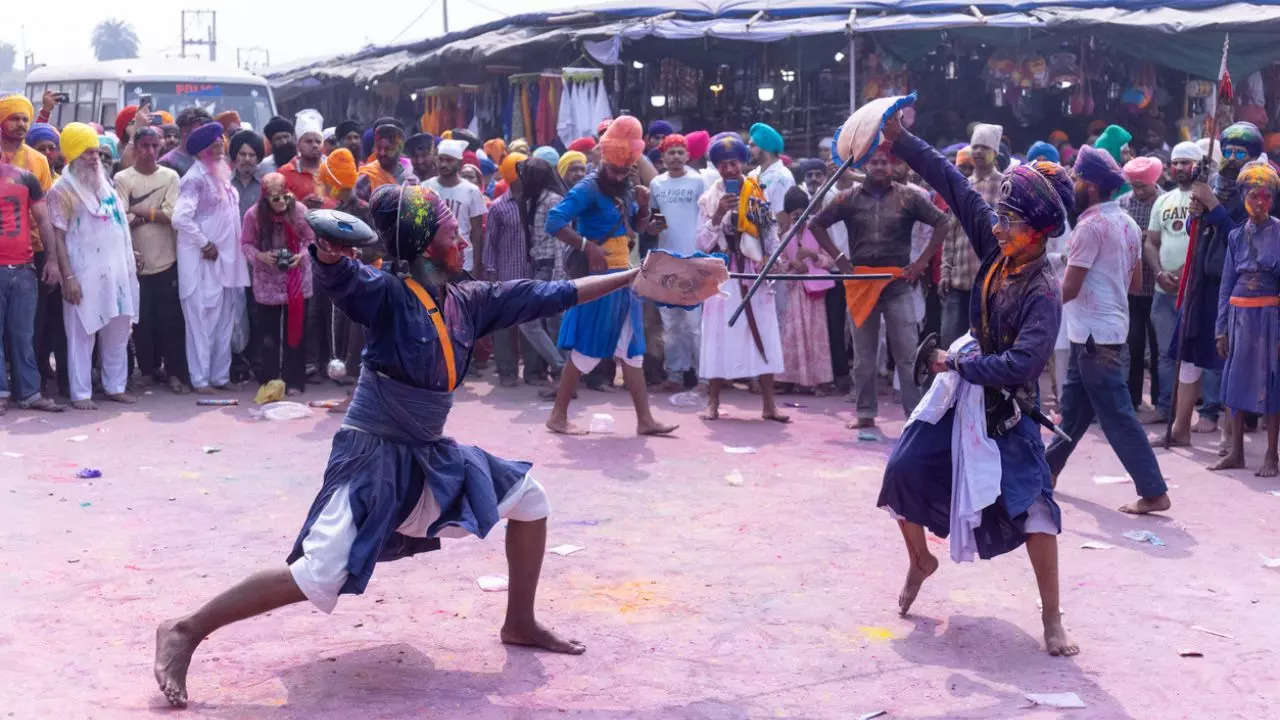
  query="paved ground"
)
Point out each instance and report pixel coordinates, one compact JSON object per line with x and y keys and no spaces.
{"x":697,"y":599}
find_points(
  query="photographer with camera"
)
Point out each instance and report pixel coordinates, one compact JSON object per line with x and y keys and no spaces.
{"x":275,"y":238}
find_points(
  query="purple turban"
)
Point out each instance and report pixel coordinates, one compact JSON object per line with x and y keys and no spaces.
{"x":1039,"y":192}
{"x":41,"y":132}
{"x":729,"y":147}
{"x":202,"y":137}
{"x":1099,"y":168}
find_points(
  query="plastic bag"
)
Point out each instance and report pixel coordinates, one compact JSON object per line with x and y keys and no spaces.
{"x":285,"y":411}
{"x":270,"y":392}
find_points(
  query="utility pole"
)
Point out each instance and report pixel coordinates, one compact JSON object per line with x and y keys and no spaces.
{"x":253,"y":58}
{"x":192,"y":23}
{"x":444,"y":4}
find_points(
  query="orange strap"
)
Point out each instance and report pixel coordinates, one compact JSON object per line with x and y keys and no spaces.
{"x":861,"y":296}
{"x":1254,"y":302}
{"x":437,"y":317}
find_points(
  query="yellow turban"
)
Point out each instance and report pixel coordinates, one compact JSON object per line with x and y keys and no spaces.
{"x":508,"y":168}
{"x":15,"y":104}
{"x":568,"y":159}
{"x":76,"y":138}
{"x":339,"y":170}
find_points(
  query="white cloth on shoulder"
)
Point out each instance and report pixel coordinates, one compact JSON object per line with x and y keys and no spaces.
{"x":975,"y":458}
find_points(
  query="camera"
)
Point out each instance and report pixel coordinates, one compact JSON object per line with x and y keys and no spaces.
{"x":283,"y":259}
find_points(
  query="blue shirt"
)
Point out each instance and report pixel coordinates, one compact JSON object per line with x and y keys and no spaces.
{"x":598,"y":215}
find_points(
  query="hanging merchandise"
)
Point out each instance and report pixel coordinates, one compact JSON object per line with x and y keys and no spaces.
{"x":448,"y":106}
{"x":584,"y":102}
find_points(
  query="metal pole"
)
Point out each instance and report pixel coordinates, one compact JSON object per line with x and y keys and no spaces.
{"x":444,"y":10}
{"x":832,"y":276}
{"x":786,"y":239}
{"x":853,"y":73}
{"x":213,"y":36}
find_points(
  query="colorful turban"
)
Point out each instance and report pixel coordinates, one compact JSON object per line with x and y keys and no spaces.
{"x":408,"y":217}
{"x":569,"y":158}
{"x":227,"y":119}
{"x":1258,"y":174}
{"x":1039,"y":192}
{"x":452,"y":148}
{"x":508,"y":168}
{"x":338,"y":171}
{"x":623,"y":143}
{"x":1186,"y":150}
{"x":519,"y":145}
{"x":1245,"y":135}
{"x":76,"y":138}
{"x":964,"y":156}
{"x":15,"y":105}
{"x":40,"y":132}
{"x":766,"y":138}
{"x":547,"y":154}
{"x":123,"y":118}
{"x":1042,"y":150}
{"x":1058,"y":138}
{"x":660,"y":127}
{"x":202,"y":137}
{"x":720,"y":136}
{"x":583,"y":145}
{"x":496,"y":149}
{"x":697,"y":142}
{"x":730,"y":147}
{"x":1112,"y":139}
{"x":109,"y":145}
{"x":1143,"y":169}
{"x":673,"y":140}
{"x":1096,"y":166}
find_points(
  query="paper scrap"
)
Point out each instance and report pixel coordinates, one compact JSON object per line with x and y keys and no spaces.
{"x":739,"y":450}
{"x":1095,"y":545}
{"x":1206,"y":630}
{"x":1145,"y":536}
{"x":1111,"y":479}
{"x":734,"y":478}
{"x":493,"y":583}
{"x":1274,"y":492}
{"x":89,"y":473}
{"x":563,"y":550}
{"x":870,"y":715}
{"x":77,"y":438}
{"x":1186,"y":652}
{"x":1269,"y":562}
{"x":1056,"y":700}
{"x":9,"y":454}
{"x":211,"y":449}
{"x":868,"y":435}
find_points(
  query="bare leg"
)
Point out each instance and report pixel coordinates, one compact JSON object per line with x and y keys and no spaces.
{"x":1043,"y":551}
{"x":559,"y":420}
{"x":1270,"y":462}
{"x":526,"y":546}
{"x":633,"y":378}
{"x":1233,"y":443}
{"x":713,"y":399}
{"x":176,"y":640}
{"x":923,"y":564}
{"x":1188,"y":394}
{"x":770,"y":404}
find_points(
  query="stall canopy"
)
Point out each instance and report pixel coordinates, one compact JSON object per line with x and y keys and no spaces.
{"x":904,"y":27}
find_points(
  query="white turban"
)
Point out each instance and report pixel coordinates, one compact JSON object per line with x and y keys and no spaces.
{"x":452,"y":148}
{"x":987,"y":136}
{"x":1186,"y":151}
{"x":309,"y":121}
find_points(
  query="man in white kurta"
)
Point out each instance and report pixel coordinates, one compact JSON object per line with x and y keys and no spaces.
{"x":212,"y":272}
{"x":99,"y":276}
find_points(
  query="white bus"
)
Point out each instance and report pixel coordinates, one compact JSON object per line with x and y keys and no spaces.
{"x":96,"y":92}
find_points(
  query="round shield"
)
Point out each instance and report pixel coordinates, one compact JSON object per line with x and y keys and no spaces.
{"x":920,"y":368}
{"x":341,"y":228}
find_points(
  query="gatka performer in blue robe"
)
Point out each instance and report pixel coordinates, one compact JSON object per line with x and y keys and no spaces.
{"x":395,"y":483}
{"x":1015,"y":319}
{"x":1248,"y":327}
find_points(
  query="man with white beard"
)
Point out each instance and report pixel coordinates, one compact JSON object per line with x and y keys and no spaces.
{"x":211,"y":268}
{"x":99,"y":272}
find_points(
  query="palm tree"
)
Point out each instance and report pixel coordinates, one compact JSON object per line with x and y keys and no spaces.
{"x":114,"y":39}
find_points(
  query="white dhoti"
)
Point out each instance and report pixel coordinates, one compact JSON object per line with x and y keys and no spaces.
{"x":113,"y":348}
{"x":730,"y":352}
{"x":209,"y":327}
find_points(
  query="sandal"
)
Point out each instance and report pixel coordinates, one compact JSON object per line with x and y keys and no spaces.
{"x":43,"y":404}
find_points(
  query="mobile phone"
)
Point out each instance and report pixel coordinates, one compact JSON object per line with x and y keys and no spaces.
{"x":62,"y":97}
{"x":733,"y":187}
{"x":658,"y":216}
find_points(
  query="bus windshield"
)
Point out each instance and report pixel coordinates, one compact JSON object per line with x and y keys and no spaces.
{"x":252,"y":102}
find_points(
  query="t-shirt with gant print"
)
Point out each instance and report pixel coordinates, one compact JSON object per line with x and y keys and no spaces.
{"x":18,"y":190}
{"x":1169,"y":218}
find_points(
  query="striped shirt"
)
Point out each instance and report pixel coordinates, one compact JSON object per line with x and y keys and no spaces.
{"x":547,"y":252}
{"x":506,"y":251}
{"x":1141,"y":214}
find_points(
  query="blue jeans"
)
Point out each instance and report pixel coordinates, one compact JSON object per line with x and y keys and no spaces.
{"x":1163,"y":317}
{"x":1097,"y":384}
{"x":18,"y":292}
{"x":1211,"y":393}
{"x":955,"y":316}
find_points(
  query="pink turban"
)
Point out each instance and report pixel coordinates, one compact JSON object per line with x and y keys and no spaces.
{"x":1143,"y":169}
{"x":698,"y":143}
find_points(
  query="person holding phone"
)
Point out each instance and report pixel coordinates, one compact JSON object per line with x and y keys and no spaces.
{"x":673,"y":197}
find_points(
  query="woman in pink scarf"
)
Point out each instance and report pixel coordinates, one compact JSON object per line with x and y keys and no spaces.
{"x":275,"y":238}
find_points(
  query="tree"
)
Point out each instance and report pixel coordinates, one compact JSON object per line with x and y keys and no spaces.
{"x":8,"y":54}
{"x":114,"y":39}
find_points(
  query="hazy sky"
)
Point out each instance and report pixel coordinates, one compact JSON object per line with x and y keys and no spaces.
{"x":291,"y":30}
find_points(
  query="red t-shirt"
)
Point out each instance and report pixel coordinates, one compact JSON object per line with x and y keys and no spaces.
{"x":302,"y":184}
{"x":18,"y":190}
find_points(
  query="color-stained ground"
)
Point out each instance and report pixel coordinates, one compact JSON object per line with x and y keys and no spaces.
{"x":697,"y":598}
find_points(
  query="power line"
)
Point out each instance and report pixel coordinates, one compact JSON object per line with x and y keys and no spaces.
{"x":413,"y":22}
{"x":495,"y":11}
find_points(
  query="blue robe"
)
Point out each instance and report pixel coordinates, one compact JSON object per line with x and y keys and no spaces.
{"x":1251,"y":374}
{"x":1199,"y":310}
{"x":1022,"y":317}
{"x":400,"y":406}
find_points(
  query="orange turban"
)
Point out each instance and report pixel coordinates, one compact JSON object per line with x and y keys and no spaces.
{"x":496,"y":149}
{"x":165,"y":116}
{"x":508,"y":167}
{"x":623,"y":142}
{"x":228,"y":118}
{"x":964,"y":155}
{"x":672,"y":140}
{"x":338,"y":171}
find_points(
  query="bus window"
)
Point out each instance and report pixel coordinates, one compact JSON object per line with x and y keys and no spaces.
{"x":252,"y":102}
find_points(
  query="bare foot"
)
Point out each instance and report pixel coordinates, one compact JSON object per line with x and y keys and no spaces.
{"x":1055,"y":637}
{"x":173,"y":656}
{"x":564,"y":427}
{"x":712,"y":413}
{"x":753,"y":387}
{"x":1205,"y":425}
{"x":1157,"y":441}
{"x":84,"y":404}
{"x":653,"y":427}
{"x":916,"y":575}
{"x":177,"y":387}
{"x":206,"y":390}
{"x":1223,"y":449}
{"x":1270,"y":467}
{"x":1148,"y":505}
{"x":861,"y":424}
{"x":670,"y":386}
{"x":125,"y":398}
{"x":776,"y":417}
{"x":540,"y":637}
{"x":1229,"y":461}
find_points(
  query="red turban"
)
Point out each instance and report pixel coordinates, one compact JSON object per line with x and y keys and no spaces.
{"x":583,"y":145}
{"x":123,"y":118}
{"x":672,"y":140}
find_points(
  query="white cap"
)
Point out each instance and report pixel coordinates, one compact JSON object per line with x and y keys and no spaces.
{"x":987,"y":136}
{"x":308,"y":121}
{"x":1186,"y":151}
{"x":452,"y":148}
